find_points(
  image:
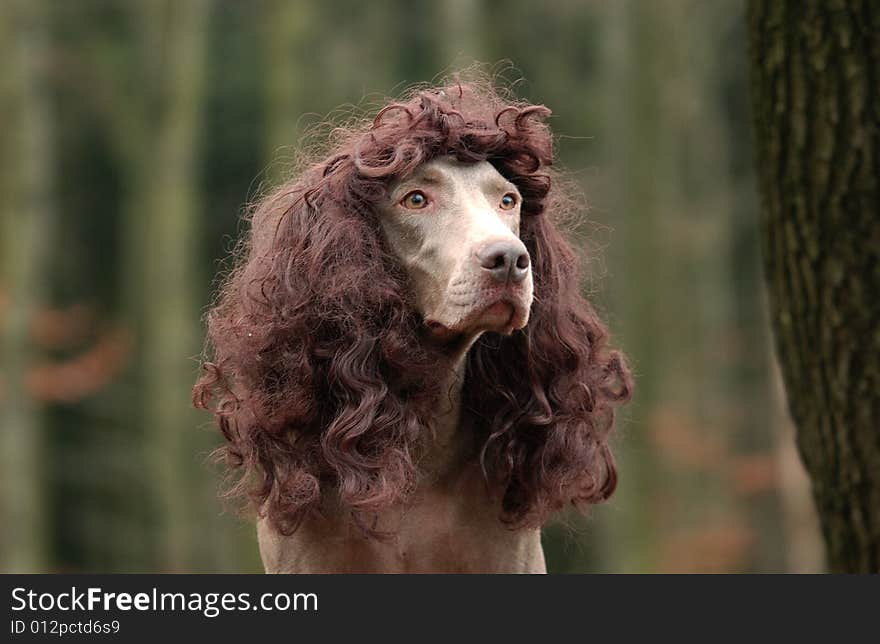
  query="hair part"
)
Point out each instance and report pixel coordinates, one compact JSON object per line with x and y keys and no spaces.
{"x":318,"y":372}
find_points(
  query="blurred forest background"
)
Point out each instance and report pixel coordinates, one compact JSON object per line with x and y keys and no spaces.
{"x":134,"y":132}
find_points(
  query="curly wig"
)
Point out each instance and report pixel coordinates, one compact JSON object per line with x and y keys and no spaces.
{"x":319,"y":372}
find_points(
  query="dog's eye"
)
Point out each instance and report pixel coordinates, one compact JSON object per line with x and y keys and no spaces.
{"x":415,"y":200}
{"x":508,"y":201}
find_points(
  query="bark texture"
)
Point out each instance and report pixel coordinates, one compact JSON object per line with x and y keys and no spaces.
{"x":816,"y":98}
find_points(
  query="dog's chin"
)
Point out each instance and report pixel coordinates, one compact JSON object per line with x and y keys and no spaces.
{"x":503,"y":316}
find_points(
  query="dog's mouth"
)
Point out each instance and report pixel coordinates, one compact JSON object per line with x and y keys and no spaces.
{"x":500,"y":316}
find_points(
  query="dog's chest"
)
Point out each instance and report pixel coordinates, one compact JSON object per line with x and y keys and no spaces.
{"x":458,"y":532}
{"x":440,"y":530}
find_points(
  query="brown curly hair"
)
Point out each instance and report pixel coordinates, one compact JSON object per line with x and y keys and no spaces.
{"x":319,"y":373}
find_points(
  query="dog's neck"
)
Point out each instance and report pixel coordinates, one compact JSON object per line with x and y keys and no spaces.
{"x":449,"y":449}
{"x":450,"y":524}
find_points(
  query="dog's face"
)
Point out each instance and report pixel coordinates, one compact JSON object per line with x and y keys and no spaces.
{"x":455,"y":229}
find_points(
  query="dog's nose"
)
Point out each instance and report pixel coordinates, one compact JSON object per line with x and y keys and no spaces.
{"x":506,"y":261}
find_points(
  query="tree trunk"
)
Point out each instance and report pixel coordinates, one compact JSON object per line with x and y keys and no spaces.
{"x":288,"y":26}
{"x":171,"y":308}
{"x":26,"y":223}
{"x":156,"y":135}
{"x":816,"y":97}
{"x":633,"y":46}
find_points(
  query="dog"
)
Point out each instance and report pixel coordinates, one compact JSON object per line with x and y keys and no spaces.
{"x":401,"y":363}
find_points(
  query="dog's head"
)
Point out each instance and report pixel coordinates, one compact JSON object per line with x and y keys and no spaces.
{"x":430,"y":224}
{"x":454,"y":226}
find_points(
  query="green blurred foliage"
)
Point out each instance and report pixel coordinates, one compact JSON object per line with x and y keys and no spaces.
{"x":163,"y":119}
